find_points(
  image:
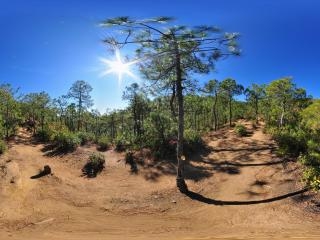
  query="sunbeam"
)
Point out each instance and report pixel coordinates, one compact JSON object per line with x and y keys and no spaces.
{"x":118,"y":66}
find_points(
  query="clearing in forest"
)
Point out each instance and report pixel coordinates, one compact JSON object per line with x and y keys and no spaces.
{"x":120,"y":205}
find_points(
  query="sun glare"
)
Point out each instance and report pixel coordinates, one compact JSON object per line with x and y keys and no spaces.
{"x":118,"y":67}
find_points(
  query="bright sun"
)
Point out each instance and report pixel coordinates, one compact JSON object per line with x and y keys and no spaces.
{"x":118,"y":67}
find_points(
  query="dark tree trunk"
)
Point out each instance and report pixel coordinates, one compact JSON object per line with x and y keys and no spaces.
{"x":173,"y":96}
{"x":180,"y":158}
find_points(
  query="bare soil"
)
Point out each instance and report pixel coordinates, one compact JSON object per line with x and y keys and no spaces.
{"x":224,"y":179}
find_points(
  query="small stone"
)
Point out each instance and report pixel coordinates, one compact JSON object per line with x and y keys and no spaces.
{"x":174,"y":201}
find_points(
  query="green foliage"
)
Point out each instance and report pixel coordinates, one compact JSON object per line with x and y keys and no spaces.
{"x":254,"y":94}
{"x":311,"y":160}
{"x":283,"y":102}
{"x":80,"y":92}
{"x":85,"y":137}
{"x":45,"y":135}
{"x":312,"y":156}
{"x":241,"y":130}
{"x":94,"y":165}
{"x":138,"y":106}
{"x":129,"y":159}
{"x":192,"y":141}
{"x":97,"y":159}
{"x":66,"y":141}
{"x":240,"y":110}
{"x":291,"y":141}
{"x":10,"y":111}
{"x":121,"y":143}
{"x":103,"y":143}
{"x":35,"y":107}
{"x":158,"y":133}
{"x":311,"y":116}
{"x":49,"y":132}
{"x":230,"y":88}
{"x":3,"y":146}
{"x":311,"y":176}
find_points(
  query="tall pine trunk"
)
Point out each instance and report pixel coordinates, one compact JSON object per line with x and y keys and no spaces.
{"x":180,"y":158}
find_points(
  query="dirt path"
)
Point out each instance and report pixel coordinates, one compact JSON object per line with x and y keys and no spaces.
{"x":120,"y":205}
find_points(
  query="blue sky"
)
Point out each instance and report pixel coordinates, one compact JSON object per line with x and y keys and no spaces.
{"x":46,"y":45}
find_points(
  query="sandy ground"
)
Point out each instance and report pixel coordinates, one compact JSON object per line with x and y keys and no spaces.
{"x":121,"y":205}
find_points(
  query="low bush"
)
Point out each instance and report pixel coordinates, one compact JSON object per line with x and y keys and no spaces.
{"x":292,"y":142}
{"x":44,"y":135}
{"x":241,"y":130}
{"x":192,"y":141}
{"x":129,"y":159}
{"x":3,"y":146}
{"x":103,"y":143}
{"x":49,"y":133}
{"x":311,"y":160}
{"x":311,"y":176}
{"x":94,"y":165}
{"x":85,"y":137}
{"x":121,"y":143}
{"x":67,"y":141}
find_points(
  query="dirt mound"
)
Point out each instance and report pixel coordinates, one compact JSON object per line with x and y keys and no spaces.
{"x":120,"y":205}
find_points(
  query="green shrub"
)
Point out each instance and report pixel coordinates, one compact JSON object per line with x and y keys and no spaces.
{"x":120,"y":143}
{"x":292,"y":142}
{"x":129,"y":159}
{"x":49,"y":133}
{"x":67,"y":141}
{"x":103,"y":143}
{"x":311,"y":160}
{"x":94,"y":165}
{"x":241,"y":130}
{"x":159,"y":132}
{"x":45,"y":135}
{"x":311,"y":176}
{"x":192,"y":140}
{"x":97,"y":159}
{"x":85,"y":137}
{"x":3,"y":147}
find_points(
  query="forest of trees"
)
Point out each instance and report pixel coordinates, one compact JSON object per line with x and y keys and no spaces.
{"x":170,"y":115}
{"x":289,"y":114}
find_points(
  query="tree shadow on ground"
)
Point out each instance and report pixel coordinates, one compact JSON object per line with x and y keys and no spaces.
{"x":196,"y":173}
{"x":155,"y":170}
{"x":250,"y":149}
{"x":237,"y":164}
{"x":51,"y":150}
{"x":198,"y":166}
{"x":198,"y":197}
